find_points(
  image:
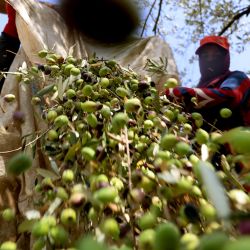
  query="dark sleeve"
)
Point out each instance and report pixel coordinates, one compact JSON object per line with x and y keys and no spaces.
{"x":231,"y":93}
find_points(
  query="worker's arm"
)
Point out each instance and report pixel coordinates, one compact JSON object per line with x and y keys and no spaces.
{"x":2,"y":6}
{"x":231,"y":92}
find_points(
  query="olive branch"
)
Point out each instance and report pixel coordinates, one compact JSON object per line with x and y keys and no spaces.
{"x":157,"y":67}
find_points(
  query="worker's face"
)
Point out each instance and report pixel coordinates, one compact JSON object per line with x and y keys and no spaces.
{"x":213,"y":60}
{"x":210,"y":52}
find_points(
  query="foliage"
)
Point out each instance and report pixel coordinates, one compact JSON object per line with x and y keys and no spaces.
{"x":128,"y":166}
{"x":201,"y":17}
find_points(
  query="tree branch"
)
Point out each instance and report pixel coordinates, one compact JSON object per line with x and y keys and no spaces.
{"x":201,"y":20}
{"x":158,"y":17}
{"x":241,"y":13}
{"x":146,"y":20}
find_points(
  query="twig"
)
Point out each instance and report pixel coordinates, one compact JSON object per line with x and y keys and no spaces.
{"x":131,"y":215}
{"x":129,"y":159}
{"x":11,"y":73}
{"x":235,"y":18}
{"x":116,"y":138}
{"x":212,"y":126}
{"x":14,"y":53}
{"x":226,"y":167}
{"x":158,"y":17}
{"x":30,"y":143}
{"x":146,"y":20}
{"x":11,"y":200}
{"x":1,"y":202}
{"x":2,"y":109}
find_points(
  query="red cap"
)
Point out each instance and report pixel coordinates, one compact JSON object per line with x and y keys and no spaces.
{"x":219,"y":40}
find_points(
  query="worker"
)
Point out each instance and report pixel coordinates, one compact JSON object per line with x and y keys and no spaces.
{"x":9,"y":42}
{"x":218,"y":87}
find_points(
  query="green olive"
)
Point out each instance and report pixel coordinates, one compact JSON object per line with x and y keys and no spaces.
{"x":132,"y":105}
{"x":52,"y":135}
{"x":8,"y":245}
{"x":68,"y":176}
{"x":8,"y":214}
{"x":168,"y":141}
{"x":225,"y":113}
{"x":19,"y":163}
{"x":146,"y":240}
{"x":42,"y":53}
{"x":90,"y":106}
{"x":59,"y":235}
{"x":87,"y":90}
{"x":119,"y":121}
{"x":201,"y":136}
{"x":9,"y":98}
{"x":104,"y":82}
{"x":70,"y":93}
{"x":148,"y":220}
{"x":122,"y":92}
{"x":68,"y":217}
{"x":61,"y":121}
{"x":75,"y":71}
{"x":88,"y":153}
{"x":167,"y":237}
{"x":104,"y":71}
{"x":106,"y":194}
{"x":110,"y":228}
{"x":92,"y":120}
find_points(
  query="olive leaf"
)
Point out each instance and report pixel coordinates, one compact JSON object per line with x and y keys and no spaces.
{"x":45,"y":90}
{"x":215,"y":190}
{"x":47,"y":173}
{"x":53,"y":206}
{"x":157,"y":67}
{"x":60,"y":87}
{"x":72,"y":152}
{"x":26,"y":226}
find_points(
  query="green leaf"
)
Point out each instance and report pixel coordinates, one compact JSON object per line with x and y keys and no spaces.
{"x":53,"y":206}
{"x":45,"y":90}
{"x":26,"y":226}
{"x":60,"y":87}
{"x":72,"y":152}
{"x":54,"y":166}
{"x":156,"y":103}
{"x":170,"y":177}
{"x":215,"y":190}
{"x":46,"y":173}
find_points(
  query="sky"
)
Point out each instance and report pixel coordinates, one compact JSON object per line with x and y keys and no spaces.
{"x":239,"y":61}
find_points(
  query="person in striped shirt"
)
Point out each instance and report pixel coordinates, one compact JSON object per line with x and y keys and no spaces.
{"x":9,"y":41}
{"x":218,"y":87}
